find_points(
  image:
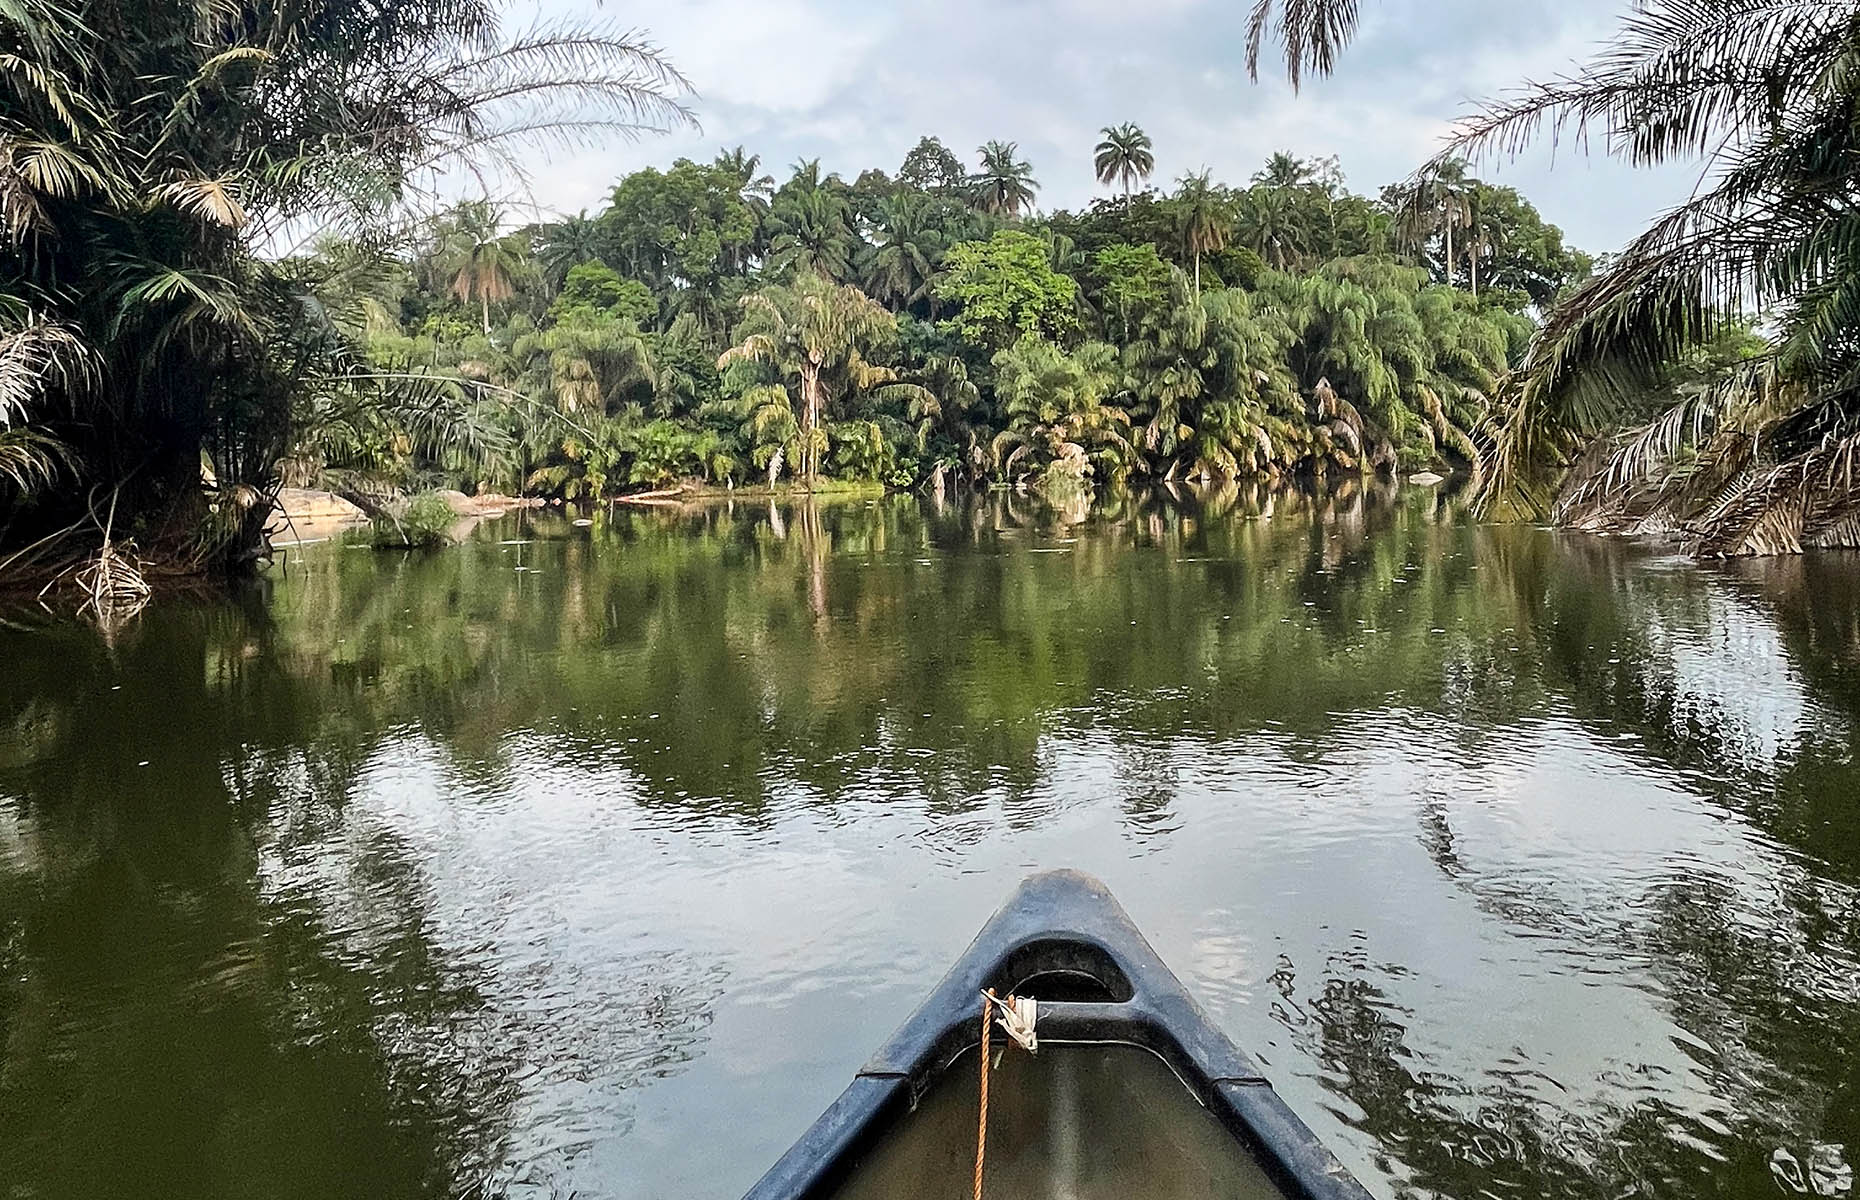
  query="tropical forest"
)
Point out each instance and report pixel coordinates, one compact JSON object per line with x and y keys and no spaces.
{"x":231,"y":269}
{"x":559,"y":561}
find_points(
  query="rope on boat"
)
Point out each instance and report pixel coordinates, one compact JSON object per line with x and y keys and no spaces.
{"x":1018,"y":1017}
{"x":981,"y":1131}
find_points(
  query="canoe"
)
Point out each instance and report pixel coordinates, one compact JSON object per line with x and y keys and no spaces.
{"x":1130,"y":1092}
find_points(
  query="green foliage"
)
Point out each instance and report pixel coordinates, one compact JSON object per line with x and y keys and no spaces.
{"x":1130,"y":283}
{"x":1007,"y":289}
{"x":819,"y":349}
{"x":423,"y":525}
{"x":1060,"y":431}
{"x":934,"y":168}
{"x":152,"y":149}
{"x":593,"y":292}
{"x":1760,"y":460}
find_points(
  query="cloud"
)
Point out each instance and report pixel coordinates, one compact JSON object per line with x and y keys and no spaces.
{"x":857,"y":82}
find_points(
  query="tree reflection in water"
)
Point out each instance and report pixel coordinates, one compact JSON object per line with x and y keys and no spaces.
{"x":1540,"y":853}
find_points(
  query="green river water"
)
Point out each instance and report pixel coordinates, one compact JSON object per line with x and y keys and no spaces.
{"x":592,"y":861}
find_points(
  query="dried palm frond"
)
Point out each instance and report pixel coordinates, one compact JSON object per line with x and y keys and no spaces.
{"x":37,"y":357}
{"x":1312,"y":33}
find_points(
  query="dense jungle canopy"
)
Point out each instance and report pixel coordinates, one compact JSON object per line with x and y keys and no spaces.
{"x":228,"y":268}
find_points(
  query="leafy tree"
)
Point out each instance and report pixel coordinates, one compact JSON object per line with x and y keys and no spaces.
{"x":1144,"y":218}
{"x":1513,"y":252}
{"x":1124,"y":156}
{"x":1007,"y":289}
{"x":933,"y":167}
{"x":1005,"y":187}
{"x":1132,"y":282}
{"x":594,"y":292}
{"x":682,"y":233}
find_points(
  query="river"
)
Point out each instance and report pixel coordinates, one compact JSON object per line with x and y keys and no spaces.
{"x":592,"y":861}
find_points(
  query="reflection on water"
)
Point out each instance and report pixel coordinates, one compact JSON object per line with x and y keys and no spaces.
{"x":593,"y":861}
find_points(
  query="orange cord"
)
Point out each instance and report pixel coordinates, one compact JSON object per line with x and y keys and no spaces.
{"x":981,"y":1131}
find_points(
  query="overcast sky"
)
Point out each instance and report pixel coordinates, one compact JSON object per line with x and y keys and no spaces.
{"x":856,"y":82}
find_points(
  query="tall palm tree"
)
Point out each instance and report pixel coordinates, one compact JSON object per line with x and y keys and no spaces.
{"x":1005,"y":186}
{"x":481,"y":264}
{"x":812,"y":335}
{"x":1124,"y":156}
{"x":1206,"y":222}
{"x":1438,"y":202}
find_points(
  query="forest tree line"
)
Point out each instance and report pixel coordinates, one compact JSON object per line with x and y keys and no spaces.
{"x":172,"y":351}
{"x":930,"y":326}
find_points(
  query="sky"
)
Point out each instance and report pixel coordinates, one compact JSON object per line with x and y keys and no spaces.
{"x":857,"y":82}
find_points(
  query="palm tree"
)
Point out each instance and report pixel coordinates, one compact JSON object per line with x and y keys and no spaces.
{"x":742,"y":167}
{"x":812,"y":335}
{"x":1124,"y":156}
{"x":566,"y":244}
{"x":1272,"y":225}
{"x":1204,"y":219}
{"x":1479,"y":233}
{"x":1284,"y":169}
{"x":901,"y":268}
{"x":1005,"y":186}
{"x":1757,"y":462}
{"x":1311,"y":32}
{"x":1438,"y":201}
{"x":586,"y":368}
{"x":157,"y":153}
{"x":812,"y":234}
{"x":1058,"y":418}
{"x":756,"y":191}
{"x":480,"y":263}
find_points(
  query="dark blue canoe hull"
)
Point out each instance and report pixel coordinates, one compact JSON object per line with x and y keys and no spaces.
{"x":1065,"y":939}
